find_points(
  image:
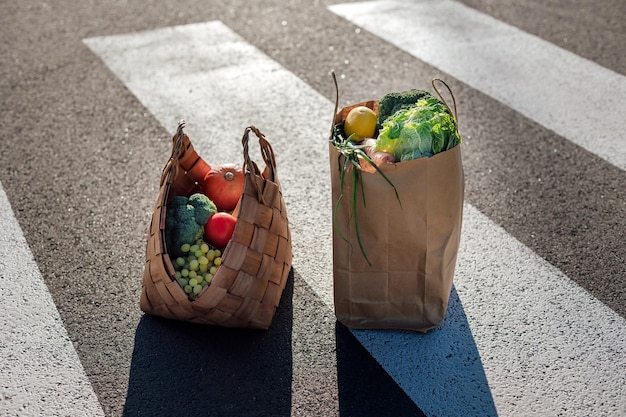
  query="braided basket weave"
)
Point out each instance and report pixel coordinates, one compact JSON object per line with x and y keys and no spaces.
{"x":256,"y":263}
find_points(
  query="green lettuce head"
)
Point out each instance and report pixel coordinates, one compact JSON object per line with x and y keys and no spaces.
{"x":421,"y":130}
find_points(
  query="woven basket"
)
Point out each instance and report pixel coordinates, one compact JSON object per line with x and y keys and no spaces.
{"x":256,"y":263}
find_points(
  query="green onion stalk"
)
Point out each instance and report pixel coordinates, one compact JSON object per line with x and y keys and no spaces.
{"x":350,"y":154}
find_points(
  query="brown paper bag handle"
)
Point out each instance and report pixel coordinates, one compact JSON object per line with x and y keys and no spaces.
{"x":443,"y":100}
{"x":268,"y":156}
{"x":332,"y":126}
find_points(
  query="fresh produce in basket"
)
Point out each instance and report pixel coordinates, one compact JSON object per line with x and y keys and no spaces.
{"x":219,"y":229}
{"x":202,"y":284}
{"x":184,"y":220}
{"x":196,"y":232}
{"x":224,"y":186}
{"x":196,"y":267}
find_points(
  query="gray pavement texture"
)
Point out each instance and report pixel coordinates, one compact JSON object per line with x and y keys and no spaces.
{"x":79,"y":156}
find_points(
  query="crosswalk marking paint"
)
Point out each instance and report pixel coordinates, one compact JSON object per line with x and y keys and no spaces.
{"x":41,"y":374}
{"x":520,"y":336}
{"x":563,"y":92}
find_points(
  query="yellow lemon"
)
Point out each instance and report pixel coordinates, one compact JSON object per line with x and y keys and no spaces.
{"x":360,"y":121}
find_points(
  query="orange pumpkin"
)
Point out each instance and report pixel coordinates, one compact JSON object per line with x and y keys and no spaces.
{"x":224,"y":185}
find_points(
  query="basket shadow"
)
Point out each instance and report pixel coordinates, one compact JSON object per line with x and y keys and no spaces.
{"x":441,"y":371}
{"x":184,"y":369}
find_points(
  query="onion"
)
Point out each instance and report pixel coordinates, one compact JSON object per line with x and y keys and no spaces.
{"x":377,"y":157}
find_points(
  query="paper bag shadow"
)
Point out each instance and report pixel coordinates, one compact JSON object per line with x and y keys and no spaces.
{"x":365,"y":388}
{"x":184,"y":369}
{"x":440,"y":371}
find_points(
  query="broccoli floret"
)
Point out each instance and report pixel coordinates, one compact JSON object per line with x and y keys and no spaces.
{"x":392,"y":102}
{"x":180,"y":225}
{"x":204,"y":208}
{"x":177,"y":201}
{"x":184,"y":218}
{"x":186,"y":233}
{"x":185,"y":214}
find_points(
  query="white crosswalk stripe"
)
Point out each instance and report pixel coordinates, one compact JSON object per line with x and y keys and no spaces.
{"x":41,"y":374}
{"x":544,"y":347}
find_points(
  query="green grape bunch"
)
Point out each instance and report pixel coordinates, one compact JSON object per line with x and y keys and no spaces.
{"x":197,"y":266}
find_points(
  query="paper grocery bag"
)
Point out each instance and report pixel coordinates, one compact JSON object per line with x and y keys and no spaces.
{"x":412,"y":244}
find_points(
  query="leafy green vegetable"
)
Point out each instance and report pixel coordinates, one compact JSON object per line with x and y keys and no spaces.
{"x":420,"y":130}
{"x":181,"y":221}
{"x":393,"y":102}
{"x":204,"y":208}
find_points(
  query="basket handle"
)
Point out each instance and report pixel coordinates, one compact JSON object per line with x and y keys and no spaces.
{"x":266,"y":152}
{"x":177,"y":149}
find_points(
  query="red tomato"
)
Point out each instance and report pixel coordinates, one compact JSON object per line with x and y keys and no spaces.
{"x":219,"y":229}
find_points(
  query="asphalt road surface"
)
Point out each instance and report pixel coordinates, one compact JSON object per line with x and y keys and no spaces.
{"x":91,"y":95}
